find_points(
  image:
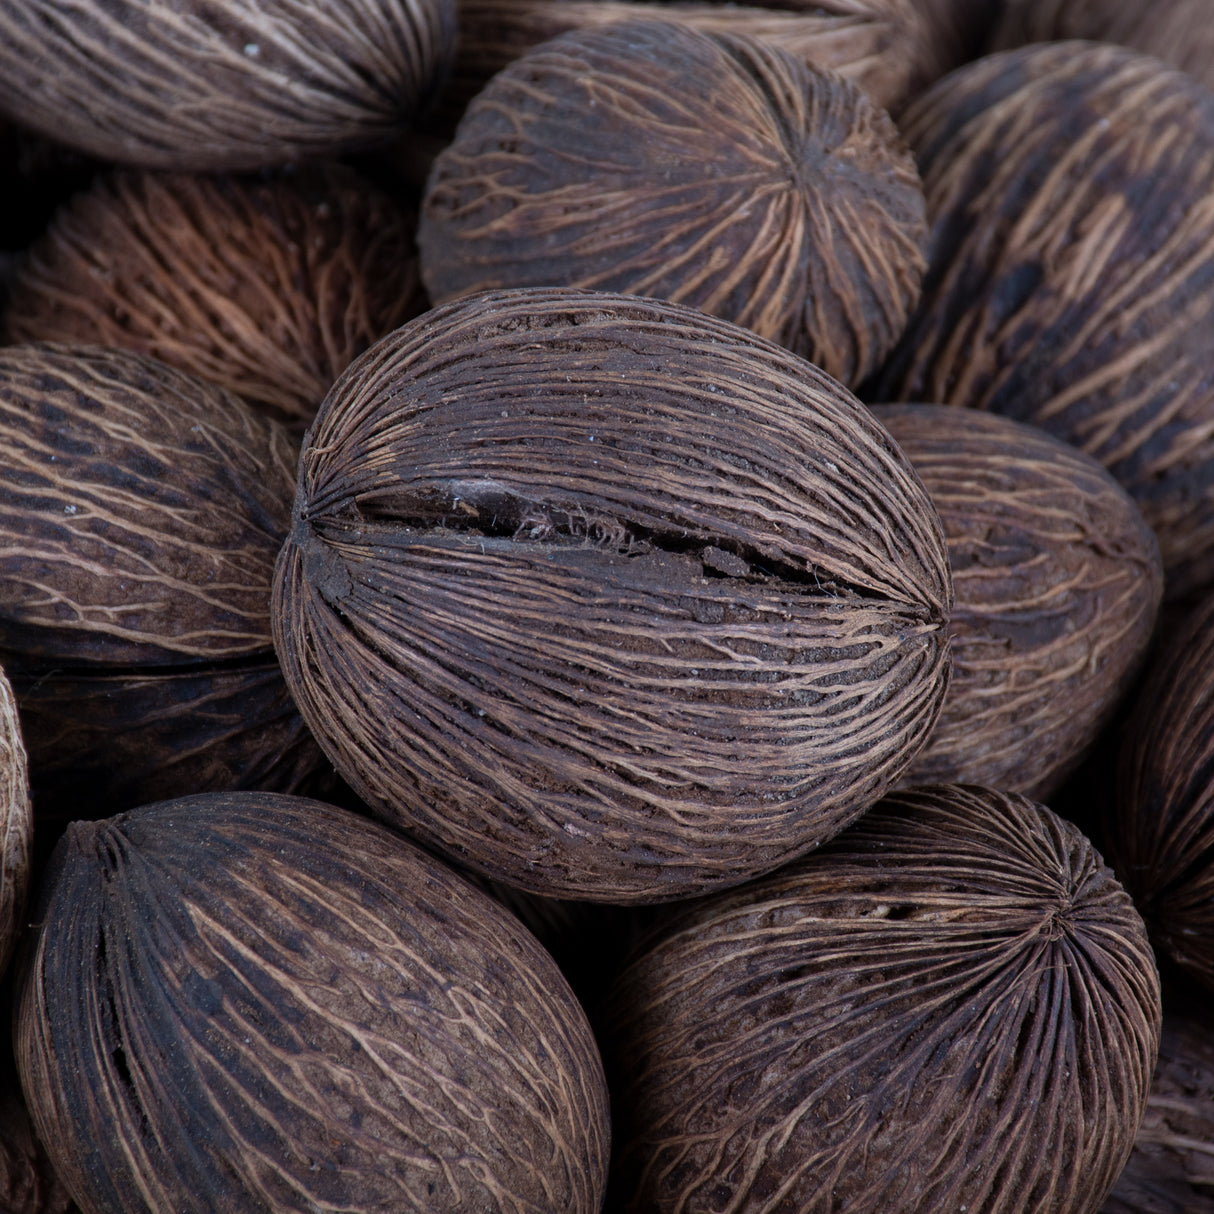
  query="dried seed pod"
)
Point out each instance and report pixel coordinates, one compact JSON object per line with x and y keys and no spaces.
{"x":28,"y":1184}
{"x":899,"y":1022}
{"x":612,"y":600}
{"x":1057,"y":580}
{"x":269,"y":288}
{"x":1161,"y":840}
{"x":1170,"y":1169}
{"x":1177,"y":31}
{"x":1071,"y":279}
{"x":724,"y":174}
{"x":16,"y":827}
{"x":247,"y":1001}
{"x":143,"y":511}
{"x":194,"y":85}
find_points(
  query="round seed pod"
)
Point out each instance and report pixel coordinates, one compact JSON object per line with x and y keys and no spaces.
{"x":727,"y":175}
{"x":245,"y":1001}
{"x":1178,"y":31}
{"x":1161,"y":839}
{"x":143,"y":511}
{"x":1057,"y":581}
{"x":610,"y":599}
{"x":253,"y":84}
{"x":1071,"y":279}
{"x":16,"y":826}
{"x":28,"y":1185}
{"x":269,"y":288}
{"x":896,"y":1023}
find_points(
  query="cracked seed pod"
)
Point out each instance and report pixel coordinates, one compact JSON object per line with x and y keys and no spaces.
{"x":1171,"y":1169}
{"x":16,"y":826}
{"x":899,"y":1022}
{"x":1057,"y":580}
{"x":256,"y":1002}
{"x":610,"y":599}
{"x":269,"y":288}
{"x":1161,"y":840}
{"x":1071,"y":279}
{"x":1177,"y":31}
{"x":143,"y":510}
{"x":196,"y":85}
{"x":713,"y":171}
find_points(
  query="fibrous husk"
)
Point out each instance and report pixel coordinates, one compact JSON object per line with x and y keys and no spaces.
{"x":1071,"y":275}
{"x":950,"y":1006}
{"x":248,"y":1002}
{"x":1057,"y":580}
{"x":269,"y":288}
{"x":1161,"y":840}
{"x":1178,"y":31}
{"x":612,"y":600}
{"x":714,"y":171}
{"x":143,"y":510}
{"x":16,"y":826}
{"x":193,"y":85}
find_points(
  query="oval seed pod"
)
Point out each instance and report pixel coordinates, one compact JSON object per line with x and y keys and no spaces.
{"x":1071,"y":279}
{"x":900,"y":1022}
{"x":608,"y":598}
{"x":269,"y":288}
{"x":1057,"y":581}
{"x":16,"y":825}
{"x":248,"y":1002}
{"x":251,"y":84}
{"x":713,"y":171}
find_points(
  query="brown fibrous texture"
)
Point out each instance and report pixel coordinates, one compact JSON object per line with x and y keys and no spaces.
{"x":1161,"y":840}
{"x":269,"y":288}
{"x":1057,"y":582}
{"x":1071,"y":269}
{"x":1171,"y":1169}
{"x":1177,"y":31}
{"x":610,"y":599}
{"x":16,"y":825}
{"x":714,"y":171}
{"x":245,"y":85}
{"x":28,"y":1185}
{"x":248,"y":1002}
{"x":950,"y":1006}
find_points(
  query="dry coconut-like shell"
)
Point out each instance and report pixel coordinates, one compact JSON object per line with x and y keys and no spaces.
{"x":1071,"y":279}
{"x":1057,"y":582}
{"x":1178,"y":31}
{"x":714,"y":171}
{"x":608,"y":598}
{"x":254,"y":1002}
{"x":143,"y":510}
{"x":952,"y":1005}
{"x":28,"y":1184}
{"x":245,"y":85}
{"x":16,"y":825}
{"x":269,"y":288}
{"x":1161,"y":839}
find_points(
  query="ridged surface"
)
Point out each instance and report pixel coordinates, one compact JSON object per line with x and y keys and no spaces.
{"x":260,"y":1003}
{"x":1178,"y":31}
{"x":951,"y":1006}
{"x":267,"y":288}
{"x":614,"y":600}
{"x":1171,"y":1169}
{"x":141,"y":511}
{"x":16,"y":826}
{"x":1162,"y":837}
{"x":27,"y":1183}
{"x":198,"y":85}
{"x":1057,"y":580}
{"x":1071,"y":278}
{"x":714,"y":171}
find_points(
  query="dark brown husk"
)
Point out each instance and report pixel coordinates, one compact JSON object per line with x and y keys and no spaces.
{"x":715,"y":171}
{"x":16,"y":826}
{"x":269,"y":288}
{"x":611,"y":600}
{"x":1071,"y":269}
{"x":1162,"y":838}
{"x":1057,"y":580}
{"x":950,"y":1006}
{"x":242,"y":1002}
{"x":193,"y":85}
